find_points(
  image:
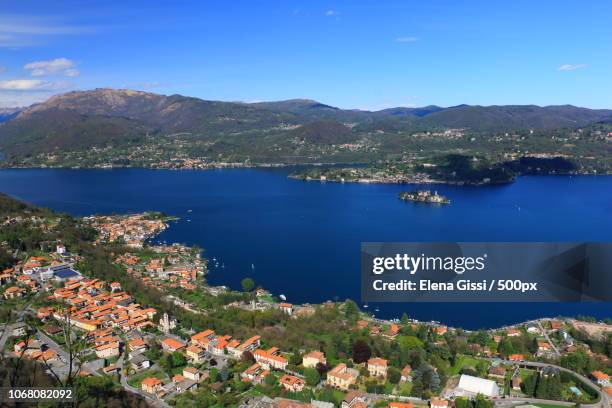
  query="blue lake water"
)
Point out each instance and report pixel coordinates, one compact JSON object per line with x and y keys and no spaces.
{"x":303,"y":238}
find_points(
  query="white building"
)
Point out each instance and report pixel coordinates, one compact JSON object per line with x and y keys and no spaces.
{"x":476,"y":385}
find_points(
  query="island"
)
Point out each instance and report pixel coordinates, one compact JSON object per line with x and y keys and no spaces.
{"x":423,"y":196}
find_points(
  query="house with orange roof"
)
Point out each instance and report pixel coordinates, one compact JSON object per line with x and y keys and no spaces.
{"x":313,"y":358}
{"x":14,"y":292}
{"x":286,"y":308}
{"x":270,"y":358}
{"x":195,"y":354}
{"x":438,"y":403}
{"x":151,"y":385}
{"x":292,"y":383}
{"x":191,"y":373}
{"x":377,"y":367}
{"x":401,"y":405}
{"x":171,"y":345}
{"x":250,"y":344}
{"x":138,"y":345}
{"x":342,"y":377}
{"x":513,"y":332}
{"x":255,"y":374}
{"x":108,"y":350}
{"x":601,"y":378}
{"x":516,"y":357}
{"x":203,"y":338}
{"x":392,"y":331}
{"x":441,"y":330}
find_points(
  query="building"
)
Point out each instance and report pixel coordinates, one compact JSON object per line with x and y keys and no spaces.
{"x":286,"y":308}
{"x":292,"y":383}
{"x":108,"y":350}
{"x":138,"y":345}
{"x":476,"y":385}
{"x":497,"y":372}
{"x":516,"y":383}
{"x":191,"y":373}
{"x":270,"y":358}
{"x":255,"y":374}
{"x":195,"y":354}
{"x":354,"y":399}
{"x":513,"y":332}
{"x":601,"y":378}
{"x":401,"y":405}
{"x":516,"y":357}
{"x":19,"y":329}
{"x":406,"y":374}
{"x":377,"y":367}
{"x":203,"y":338}
{"x":139,"y":362}
{"x":438,"y":403}
{"x":171,"y":345}
{"x":151,"y":385}
{"x":14,"y":292}
{"x":313,"y":358}
{"x":342,"y":377}
{"x":166,"y":323}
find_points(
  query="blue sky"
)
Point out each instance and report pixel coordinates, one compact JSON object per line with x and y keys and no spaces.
{"x":352,"y":54}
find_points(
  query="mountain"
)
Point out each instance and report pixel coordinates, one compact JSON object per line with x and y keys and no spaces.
{"x":108,"y":117}
{"x":496,"y":118}
{"x":7,"y":114}
{"x":313,"y":110}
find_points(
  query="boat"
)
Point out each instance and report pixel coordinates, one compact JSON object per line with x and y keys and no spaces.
{"x":252,"y":266}
{"x":282,"y":297}
{"x":424,"y":196}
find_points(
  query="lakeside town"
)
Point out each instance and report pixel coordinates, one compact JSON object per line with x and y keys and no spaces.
{"x":94,"y":300}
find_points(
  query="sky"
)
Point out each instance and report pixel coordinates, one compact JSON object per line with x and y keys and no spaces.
{"x":352,"y":54}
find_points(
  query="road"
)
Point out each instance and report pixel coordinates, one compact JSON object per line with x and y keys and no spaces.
{"x":604,"y":399}
{"x":545,"y":333}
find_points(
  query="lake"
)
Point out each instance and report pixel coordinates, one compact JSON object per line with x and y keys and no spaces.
{"x":302,"y":239}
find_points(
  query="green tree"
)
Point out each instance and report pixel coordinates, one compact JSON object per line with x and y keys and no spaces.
{"x":394,"y":375}
{"x":247,"y":284}
{"x":312,"y":376}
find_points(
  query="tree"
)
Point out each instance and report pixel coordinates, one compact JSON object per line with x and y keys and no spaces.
{"x":247,"y":357}
{"x":404,"y":320}
{"x":394,"y":375}
{"x":351,"y":310}
{"x":312,"y":377}
{"x":322,"y":368}
{"x":361,"y":352}
{"x":247,"y":284}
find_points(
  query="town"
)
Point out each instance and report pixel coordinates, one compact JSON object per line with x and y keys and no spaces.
{"x":93,"y":301}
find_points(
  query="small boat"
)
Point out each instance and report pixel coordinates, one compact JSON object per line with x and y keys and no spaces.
{"x":189,"y":211}
{"x":365,"y":306}
{"x":282,"y":297}
{"x":252,"y":266}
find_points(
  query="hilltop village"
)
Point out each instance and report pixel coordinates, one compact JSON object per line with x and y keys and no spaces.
{"x":93,"y":304}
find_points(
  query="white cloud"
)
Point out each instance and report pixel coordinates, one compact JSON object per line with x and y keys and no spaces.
{"x":22,"y":31}
{"x":332,"y":13}
{"x":571,"y":67}
{"x":30,"y":85}
{"x":407,"y":39}
{"x":58,"y":66}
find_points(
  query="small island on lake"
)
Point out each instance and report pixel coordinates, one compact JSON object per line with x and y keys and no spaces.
{"x":424,"y":196}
